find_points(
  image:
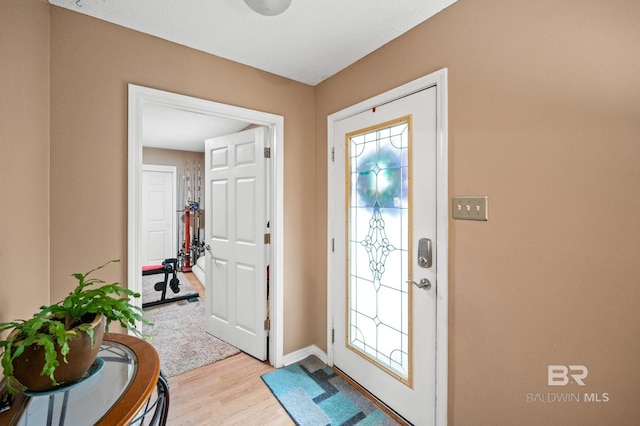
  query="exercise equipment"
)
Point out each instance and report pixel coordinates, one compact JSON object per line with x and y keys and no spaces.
{"x":168,"y":267}
{"x":192,"y":247}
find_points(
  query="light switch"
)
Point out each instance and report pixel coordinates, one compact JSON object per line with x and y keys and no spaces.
{"x":471,"y":207}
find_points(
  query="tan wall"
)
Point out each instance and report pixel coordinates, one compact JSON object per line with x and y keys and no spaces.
{"x":544,"y":118}
{"x":91,"y":64}
{"x":172,"y":157}
{"x":24,"y":157}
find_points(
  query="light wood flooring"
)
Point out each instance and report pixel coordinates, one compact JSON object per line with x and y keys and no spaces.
{"x":227,"y":392}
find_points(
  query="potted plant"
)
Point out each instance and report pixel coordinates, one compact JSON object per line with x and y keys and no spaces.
{"x":59,"y":343}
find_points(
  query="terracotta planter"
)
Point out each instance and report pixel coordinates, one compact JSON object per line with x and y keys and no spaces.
{"x":28,"y":366}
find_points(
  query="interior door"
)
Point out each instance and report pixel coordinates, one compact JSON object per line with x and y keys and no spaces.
{"x":385,"y":220}
{"x":235,"y":223}
{"x":158,"y":214}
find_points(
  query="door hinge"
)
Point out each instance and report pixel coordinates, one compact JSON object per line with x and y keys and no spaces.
{"x":267,"y":238}
{"x":333,"y":244}
{"x":333,"y":154}
{"x":333,"y":335}
{"x":267,"y":324}
{"x":267,"y":153}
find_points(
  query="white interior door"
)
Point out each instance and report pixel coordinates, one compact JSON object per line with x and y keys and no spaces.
{"x":235,"y":223}
{"x":158,"y":214}
{"x":385,"y":327}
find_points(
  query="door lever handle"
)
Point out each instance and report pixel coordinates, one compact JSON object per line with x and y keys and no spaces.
{"x":424,"y":283}
{"x":208,"y":247}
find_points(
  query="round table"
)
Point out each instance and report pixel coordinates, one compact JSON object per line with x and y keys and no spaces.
{"x":118,"y":394}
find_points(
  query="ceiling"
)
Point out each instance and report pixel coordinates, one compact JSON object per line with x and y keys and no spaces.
{"x":308,"y":43}
{"x":170,"y":128}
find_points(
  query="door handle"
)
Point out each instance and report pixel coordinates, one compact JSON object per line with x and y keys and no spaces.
{"x":424,"y":253}
{"x":424,"y":283}
{"x":208,"y":247}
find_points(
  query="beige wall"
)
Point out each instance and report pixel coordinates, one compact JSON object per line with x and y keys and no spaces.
{"x":544,"y":118}
{"x":24,"y":157}
{"x":91,"y":64}
{"x":172,"y":157}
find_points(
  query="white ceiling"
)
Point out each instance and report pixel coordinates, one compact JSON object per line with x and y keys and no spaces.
{"x":169,"y":128}
{"x":309,"y":42}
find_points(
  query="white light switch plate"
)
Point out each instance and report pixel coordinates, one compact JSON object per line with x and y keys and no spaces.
{"x":471,"y":207}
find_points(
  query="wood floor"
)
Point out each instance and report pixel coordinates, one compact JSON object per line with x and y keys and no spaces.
{"x":227,"y":392}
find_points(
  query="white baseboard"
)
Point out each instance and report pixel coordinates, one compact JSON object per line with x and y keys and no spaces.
{"x":198,"y":270}
{"x":303,"y":353}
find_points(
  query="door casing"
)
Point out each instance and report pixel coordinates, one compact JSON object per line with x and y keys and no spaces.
{"x":139,"y":97}
{"x":439,"y":80}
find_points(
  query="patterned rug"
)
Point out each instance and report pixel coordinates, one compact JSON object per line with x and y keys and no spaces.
{"x":313,"y":394}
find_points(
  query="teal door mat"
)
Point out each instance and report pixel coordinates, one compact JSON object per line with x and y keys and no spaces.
{"x":314,"y":395}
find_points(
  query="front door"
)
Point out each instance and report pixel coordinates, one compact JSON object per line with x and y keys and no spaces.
{"x":235,"y":225}
{"x":385,"y":253}
{"x":158,"y":214}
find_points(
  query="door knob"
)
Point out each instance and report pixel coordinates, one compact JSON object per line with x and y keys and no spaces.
{"x":208,"y":247}
{"x":424,"y":283}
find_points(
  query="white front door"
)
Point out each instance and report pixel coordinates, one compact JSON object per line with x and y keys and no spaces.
{"x":158,"y":214}
{"x":235,"y":226}
{"x":385,"y":219}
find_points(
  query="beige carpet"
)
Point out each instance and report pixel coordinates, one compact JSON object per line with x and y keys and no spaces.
{"x":178,"y":334}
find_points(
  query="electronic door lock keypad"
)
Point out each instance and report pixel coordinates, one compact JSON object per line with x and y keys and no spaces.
{"x":424,"y":253}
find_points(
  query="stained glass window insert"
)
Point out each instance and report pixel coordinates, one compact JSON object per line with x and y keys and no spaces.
{"x":378,"y":297}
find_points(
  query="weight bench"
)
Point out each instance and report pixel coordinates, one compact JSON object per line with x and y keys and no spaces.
{"x":168,"y":267}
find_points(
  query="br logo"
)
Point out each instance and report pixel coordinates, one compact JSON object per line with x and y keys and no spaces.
{"x":562,"y":375}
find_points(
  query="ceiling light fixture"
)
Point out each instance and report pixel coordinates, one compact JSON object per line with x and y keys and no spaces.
{"x":268,"y":7}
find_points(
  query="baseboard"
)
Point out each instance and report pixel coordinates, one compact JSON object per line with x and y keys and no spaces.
{"x":198,"y":270}
{"x":303,"y":353}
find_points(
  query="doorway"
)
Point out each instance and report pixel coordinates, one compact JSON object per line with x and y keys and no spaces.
{"x":388,"y":215}
{"x":143,"y":97}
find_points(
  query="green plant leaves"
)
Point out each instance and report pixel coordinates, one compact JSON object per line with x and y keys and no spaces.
{"x":50,"y":328}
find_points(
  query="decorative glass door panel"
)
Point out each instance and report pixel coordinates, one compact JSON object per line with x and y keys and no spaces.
{"x":379,"y":245}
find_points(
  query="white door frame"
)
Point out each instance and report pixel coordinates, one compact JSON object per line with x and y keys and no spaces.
{"x":139,"y":97}
{"x":173,"y":171}
{"x":439,"y":80}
